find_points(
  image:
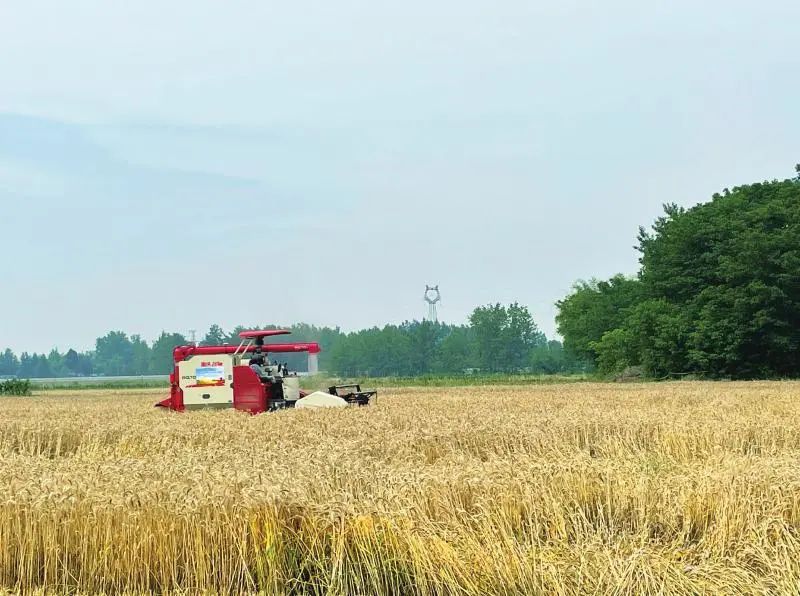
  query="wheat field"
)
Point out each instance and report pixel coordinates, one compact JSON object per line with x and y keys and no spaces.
{"x":673,"y":488}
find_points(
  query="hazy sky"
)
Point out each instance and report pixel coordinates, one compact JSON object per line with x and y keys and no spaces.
{"x":171,"y":164}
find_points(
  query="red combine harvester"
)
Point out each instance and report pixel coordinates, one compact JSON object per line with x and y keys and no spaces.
{"x":243,"y":377}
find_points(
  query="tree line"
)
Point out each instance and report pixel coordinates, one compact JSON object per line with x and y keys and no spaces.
{"x":717,"y":293}
{"x":115,"y":354}
{"x":497,"y":338}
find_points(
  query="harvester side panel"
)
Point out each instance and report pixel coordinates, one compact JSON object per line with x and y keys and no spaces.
{"x":249,"y":394}
{"x":205,"y":381}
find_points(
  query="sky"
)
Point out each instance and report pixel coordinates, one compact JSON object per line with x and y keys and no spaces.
{"x":168,"y":165}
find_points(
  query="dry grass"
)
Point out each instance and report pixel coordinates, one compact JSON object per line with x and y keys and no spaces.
{"x":685,"y":488}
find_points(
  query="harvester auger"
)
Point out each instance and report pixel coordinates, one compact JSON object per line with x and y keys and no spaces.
{"x":243,"y":378}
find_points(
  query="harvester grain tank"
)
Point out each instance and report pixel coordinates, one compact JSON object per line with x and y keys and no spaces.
{"x":244,"y":378}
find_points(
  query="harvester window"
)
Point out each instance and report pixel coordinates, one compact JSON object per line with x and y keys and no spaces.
{"x":257,"y":365}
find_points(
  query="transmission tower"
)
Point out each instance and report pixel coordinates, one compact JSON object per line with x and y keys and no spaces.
{"x":432,"y":297}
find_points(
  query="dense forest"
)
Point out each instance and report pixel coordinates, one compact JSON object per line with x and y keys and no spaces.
{"x":717,"y":294}
{"x":497,"y":338}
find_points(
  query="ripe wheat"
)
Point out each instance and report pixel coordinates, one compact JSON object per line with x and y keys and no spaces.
{"x":677,"y":488}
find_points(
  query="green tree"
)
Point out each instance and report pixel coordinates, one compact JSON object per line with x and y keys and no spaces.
{"x":659,"y":333}
{"x":592,"y":309}
{"x":718,"y":292}
{"x":86,"y":364}
{"x":732,"y":266}
{"x":26,"y":366}
{"x":72,"y":362}
{"x":41,"y":367}
{"x":487,"y":323}
{"x":550,"y":358}
{"x":215,"y":336}
{"x":457,"y":351}
{"x":161,"y":362}
{"x":113,"y":354}
{"x":504,"y":336}
{"x":423,"y":344}
{"x":614,"y":352}
{"x":55,"y":362}
{"x":140,"y":356}
{"x":9,"y":363}
{"x":78,"y":364}
{"x":742,"y":332}
{"x":521,"y":335}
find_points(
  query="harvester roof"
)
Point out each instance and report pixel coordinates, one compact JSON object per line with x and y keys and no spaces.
{"x":266,"y":333}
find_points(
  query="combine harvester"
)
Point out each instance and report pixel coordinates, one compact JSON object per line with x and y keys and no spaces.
{"x":243,"y":378}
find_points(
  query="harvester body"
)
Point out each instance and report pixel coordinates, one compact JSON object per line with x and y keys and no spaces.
{"x":221,"y":377}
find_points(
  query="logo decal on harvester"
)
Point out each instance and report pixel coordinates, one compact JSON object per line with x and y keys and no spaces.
{"x":210,"y":374}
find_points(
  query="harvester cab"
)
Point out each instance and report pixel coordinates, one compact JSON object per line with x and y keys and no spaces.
{"x":244,"y":377}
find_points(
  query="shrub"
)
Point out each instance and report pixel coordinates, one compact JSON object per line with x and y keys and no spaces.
{"x":15,"y":387}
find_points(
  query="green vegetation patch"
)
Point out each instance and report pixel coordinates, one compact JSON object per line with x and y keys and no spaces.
{"x":104,"y":384}
{"x":469,"y":380}
{"x":15,"y":387}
